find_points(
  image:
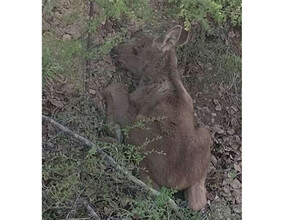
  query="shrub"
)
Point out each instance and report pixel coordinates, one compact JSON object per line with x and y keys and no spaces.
{"x":205,"y":12}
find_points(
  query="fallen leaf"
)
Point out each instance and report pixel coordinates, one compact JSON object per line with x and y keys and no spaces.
{"x":230,"y":131}
{"x":237,"y":167}
{"x":237,"y":194}
{"x":211,"y":196}
{"x":57,"y":103}
{"x":237,"y":208}
{"x":234,"y":108}
{"x":218,"y":108}
{"x":218,"y":130}
{"x":235,"y":184}
{"x":234,"y":122}
{"x":234,"y":146}
{"x":92,"y":92}
{"x":213,"y":160}
{"x":216,"y":102}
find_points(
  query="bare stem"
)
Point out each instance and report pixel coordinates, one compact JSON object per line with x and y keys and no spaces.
{"x":89,"y":209}
{"x":86,"y":77}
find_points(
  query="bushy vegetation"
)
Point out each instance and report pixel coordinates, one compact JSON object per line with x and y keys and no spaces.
{"x":205,"y":12}
{"x":58,"y":55}
{"x":208,"y":13}
{"x":137,"y":10}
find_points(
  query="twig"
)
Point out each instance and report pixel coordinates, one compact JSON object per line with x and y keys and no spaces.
{"x":86,"y":77}
{"x":75,"y":219}
{"x":111,"y":161}
{"x":89,"y":209}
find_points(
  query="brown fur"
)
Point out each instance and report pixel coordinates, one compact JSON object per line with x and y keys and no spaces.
{"x":185,"y":156}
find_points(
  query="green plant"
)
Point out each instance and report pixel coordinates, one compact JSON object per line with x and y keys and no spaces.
{"x":109,"y":43}
{"x":142,"y":124}
{"x":59,"y":56}
{"x":154,"y":209}
{"x":195,"y":10}
{"x":132,"y":154}
{"x":205,"y":12}
{"x":61,"y":183}
{"x":49,"y":65}
{"x":231,"y":10}
{"x":137,"y":10}
{"x":47,"y":6}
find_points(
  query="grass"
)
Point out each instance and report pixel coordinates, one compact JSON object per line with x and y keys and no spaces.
{"x":62,"y":57}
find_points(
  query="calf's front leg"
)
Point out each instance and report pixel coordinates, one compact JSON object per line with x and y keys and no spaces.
{"x":119,"y":111}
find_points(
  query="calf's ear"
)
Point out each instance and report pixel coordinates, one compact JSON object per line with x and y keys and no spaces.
{"x":176,"y":36}
{"x":184,"y":37}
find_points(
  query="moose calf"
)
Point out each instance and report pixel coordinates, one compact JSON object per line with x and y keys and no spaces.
{"x":183,"y":165}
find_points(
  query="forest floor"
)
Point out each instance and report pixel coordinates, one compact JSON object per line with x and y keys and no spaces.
{"x":210,"y":66}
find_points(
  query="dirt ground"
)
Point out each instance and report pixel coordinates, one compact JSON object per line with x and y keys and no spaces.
{"x":211,"y":72}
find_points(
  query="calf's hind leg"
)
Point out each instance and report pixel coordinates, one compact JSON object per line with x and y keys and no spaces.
{"x":196,"y":195}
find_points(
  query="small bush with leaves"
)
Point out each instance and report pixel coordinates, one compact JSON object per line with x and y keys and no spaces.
{"x":137,"y":10}
{"x":205,"y":12}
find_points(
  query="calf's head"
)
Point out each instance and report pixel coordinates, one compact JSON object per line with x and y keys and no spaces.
{"x":150,"y":57}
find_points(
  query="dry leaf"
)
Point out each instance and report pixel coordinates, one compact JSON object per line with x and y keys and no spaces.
{"x":57,"y":103}
{"x":92,"y":91}
{"x":230,"y":131}
{"x":237,"y":194}
{"x":237,"y":167}
{"x":213,"y":160}
{"x":236,"y":184}
{"x":218,"y":130}
{"x":218,"y":108}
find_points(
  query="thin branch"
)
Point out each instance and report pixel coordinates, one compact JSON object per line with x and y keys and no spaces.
{"x":86,"y":77}
{"x":89,"y":209}
{"x":110,"y":160}
{"x":75,"y":219}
